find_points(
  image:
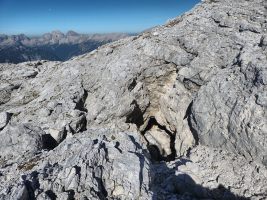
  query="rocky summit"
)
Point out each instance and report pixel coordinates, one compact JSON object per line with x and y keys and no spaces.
{"x":177,"y":112}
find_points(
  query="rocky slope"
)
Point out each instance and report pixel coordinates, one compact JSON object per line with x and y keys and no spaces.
{"x":54,"y":46}
{"x":179,"y":112}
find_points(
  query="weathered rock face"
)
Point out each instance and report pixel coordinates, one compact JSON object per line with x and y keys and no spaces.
{"x":175,"y":113}
{"x":105,"y":165}
{"x":230,"y":111}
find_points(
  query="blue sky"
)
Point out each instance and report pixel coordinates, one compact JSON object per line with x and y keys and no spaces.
{"x":35,"y":17}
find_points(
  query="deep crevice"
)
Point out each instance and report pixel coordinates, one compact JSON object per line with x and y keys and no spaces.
{"x":189,"y":117}
{"x":136,"y":116}
{"x":78,"y":170}
{"x":262,"y":43}
{"x":154,"y":152}
{"x":49,"y":142}
{"x":80,"y":104}
{"x":102,"y":192}
{"x":71,"y":194}
{"x":82,"y":125}
{"x":30,"y":190}
{"x":132,"y":85}
{"x":153,"y":149}
{"x":51,"y":194}
{"x":102,"y":145}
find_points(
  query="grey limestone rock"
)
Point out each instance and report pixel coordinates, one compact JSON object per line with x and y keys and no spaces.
{"x":96,"y":164}
{"x":19,"y":142}
{"x":209,"y":174}
{"x":177,"y":112}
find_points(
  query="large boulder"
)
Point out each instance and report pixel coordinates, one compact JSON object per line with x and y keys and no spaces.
{"x":22,"y":142}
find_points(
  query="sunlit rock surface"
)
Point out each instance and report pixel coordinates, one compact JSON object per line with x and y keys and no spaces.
{"x":179,"y":112}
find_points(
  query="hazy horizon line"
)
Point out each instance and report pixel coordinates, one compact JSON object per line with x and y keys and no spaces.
{"x":65,"y":32}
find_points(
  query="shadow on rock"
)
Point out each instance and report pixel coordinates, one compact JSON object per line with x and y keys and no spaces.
{"x":166,"y":183}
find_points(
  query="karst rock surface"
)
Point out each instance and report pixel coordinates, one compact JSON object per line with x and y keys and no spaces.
{"x":178,"y":112}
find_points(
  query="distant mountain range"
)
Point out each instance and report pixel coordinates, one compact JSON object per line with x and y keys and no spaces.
{"x":54,"y":46}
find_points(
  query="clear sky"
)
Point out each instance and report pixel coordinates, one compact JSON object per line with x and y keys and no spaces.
{"x":87,"y":16}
